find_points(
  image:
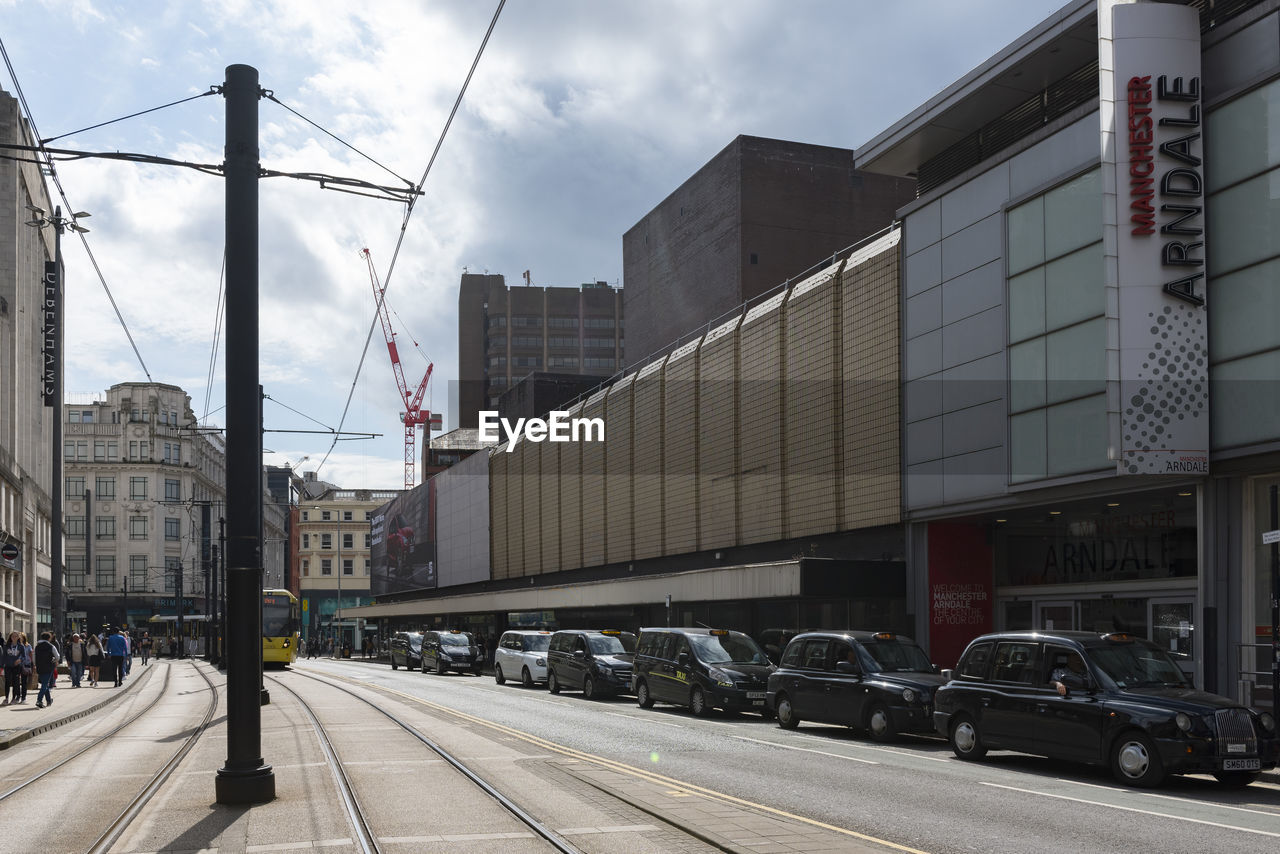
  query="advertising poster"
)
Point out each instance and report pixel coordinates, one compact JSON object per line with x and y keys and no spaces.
{"x":402,"y":544}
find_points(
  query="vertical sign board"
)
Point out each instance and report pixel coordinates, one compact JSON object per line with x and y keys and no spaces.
{"x":1155,"y":130}
{"x":50,"y":312}
{"x":960,"y":588}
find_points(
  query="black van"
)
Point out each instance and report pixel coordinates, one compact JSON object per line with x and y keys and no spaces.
{"x":597,"y":661}
{"x":443,"y":651}
{"x":406,"y":649}
{"x":703,"y":669}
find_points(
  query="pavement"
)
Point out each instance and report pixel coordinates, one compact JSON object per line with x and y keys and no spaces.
{"x":602,"y":807}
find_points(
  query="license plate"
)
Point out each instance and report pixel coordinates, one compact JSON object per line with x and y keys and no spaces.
{"x":755,"y":695}
{"x":757,"y":702}
{"x":1241,"y":765}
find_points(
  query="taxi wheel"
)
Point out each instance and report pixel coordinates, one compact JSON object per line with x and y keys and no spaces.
{"x":1135,"y":760}
{"x":786,"y":714}
{"x":879,"y":724}
{"x":422,"y":665}
{"x":497,"y":675}
{"x":698,"y":702}
{"x":966,"y":741}
{"x":393,"y":662}
{"x":440,"y":668}
{"x":526,"y":678}
{"x":553,"y":684}
{"x":588,"y":688}
{"x":643,"y":699}
{"x":1237,"y":779}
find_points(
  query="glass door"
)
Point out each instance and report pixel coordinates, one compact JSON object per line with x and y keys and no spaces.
{"x":1056,"y":616}
{"x":1172,"y":622}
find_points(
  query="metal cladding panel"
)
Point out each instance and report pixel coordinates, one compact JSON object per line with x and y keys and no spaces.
{"x":812,"y":420}
{"x":760,"y":455}
{"x":681,"y":439}
{"x":571,"y":500}
{"x":593,"y":494}
{"x":499,"y":492}
{"x":717,"y":451}
{"x":529,"y":547}
{"x":870,"y":361}
{"x":648,"y":447}
{"x":619,"y":473}
{"x":549,"y":507}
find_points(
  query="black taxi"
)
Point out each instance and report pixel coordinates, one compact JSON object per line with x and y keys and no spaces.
{"x":701,"y":668}
{"x":1105,"y":699}
{"x":879,"y":682}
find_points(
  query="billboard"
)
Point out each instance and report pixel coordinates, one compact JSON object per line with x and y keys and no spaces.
{"x":402,"y":543}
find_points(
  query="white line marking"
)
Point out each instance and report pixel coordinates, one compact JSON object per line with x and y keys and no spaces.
{"x":1134,"y":809}
{"x":806,"y":750}
{"x":1189,"y":802}
{"x":880,"y":749}
{"x":646,"y":720}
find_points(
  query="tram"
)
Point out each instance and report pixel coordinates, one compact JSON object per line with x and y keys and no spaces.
{"x":280,"y":627}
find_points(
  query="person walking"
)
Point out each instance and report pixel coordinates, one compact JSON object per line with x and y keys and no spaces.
{"x":128,"y":652}
{"x":311,"y":647}
{"x":93,"y":646}
{"x":11,"y":658}
{"x":145,"y":646}
{"x":46,"y":657}
{"x":116,"y":648}
{"x":77,"y":657}
{"x":26,"y":665}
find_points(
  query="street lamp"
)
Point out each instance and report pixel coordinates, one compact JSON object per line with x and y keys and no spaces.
{"x":51,"y":308}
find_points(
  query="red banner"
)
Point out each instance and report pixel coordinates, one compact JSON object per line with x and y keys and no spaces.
{"x":960,"y":588}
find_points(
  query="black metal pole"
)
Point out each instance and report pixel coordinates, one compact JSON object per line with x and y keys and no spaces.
{"x":222,"y":602}
{"x":205,"y":549}
{"x":182,"y":638}
{"x":1275,"y":604}
{"x":245,"y":778}
{"x":55,"y":496}
{"x":215,"y":615}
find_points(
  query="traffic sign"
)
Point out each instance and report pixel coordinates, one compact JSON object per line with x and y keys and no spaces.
{"x":10,"y":552}
{"x":1269,"y":537}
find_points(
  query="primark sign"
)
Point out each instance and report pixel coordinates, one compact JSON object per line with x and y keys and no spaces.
{"x":1152,"y":139}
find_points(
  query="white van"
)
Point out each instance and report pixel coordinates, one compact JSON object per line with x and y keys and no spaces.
{"x":521,"y":655}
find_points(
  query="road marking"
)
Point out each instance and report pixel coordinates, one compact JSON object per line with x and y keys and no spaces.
{"x":647,"y":720}
{"x":1268,"y":813}
{"x":880,"y":749}
{"x":806,"y":750}
{"x":1134,"y":809}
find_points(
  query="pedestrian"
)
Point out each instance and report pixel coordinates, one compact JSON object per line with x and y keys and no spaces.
{"x":12,"y":658}
{"x":26,"y":665}
{"x":145,"y":645}
{"x":93,"y":646}
{"x":311,"y":647}
{"x":117,"y":647}
{"x":128,"y":652}
{"x":77,"y":657}
{"x":46,"y":657}
{"x":173,"y":647}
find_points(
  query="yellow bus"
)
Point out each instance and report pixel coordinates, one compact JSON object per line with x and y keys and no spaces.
{"x":280,"y":626}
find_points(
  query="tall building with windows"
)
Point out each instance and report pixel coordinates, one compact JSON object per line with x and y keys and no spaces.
{"x":504,"y":334}
{"x":333,"y":558}
{"x":144,"y":486}
{"x":26,"y":422}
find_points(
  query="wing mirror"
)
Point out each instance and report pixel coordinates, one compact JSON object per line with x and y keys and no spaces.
{"x":848,"y":667}
{"x":683,"y":659}
{"x":947,"y":673}
{"x":579,"y":654}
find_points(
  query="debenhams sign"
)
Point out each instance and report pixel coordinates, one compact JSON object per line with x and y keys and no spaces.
{"x":1155,"y":142}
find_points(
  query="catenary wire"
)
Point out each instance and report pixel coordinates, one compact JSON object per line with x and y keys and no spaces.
{"x":404,"y":224}
{"x":270,"y":96}
{"x":217,"y":336}
{"x":213,"y":90}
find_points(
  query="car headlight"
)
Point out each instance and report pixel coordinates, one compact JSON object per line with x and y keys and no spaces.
{"x":604,"y":669}
{"x":1183,"y":720}
{"x":1267,"y":721}
{"x":722,"y":678}
{"x":540,"y":662}
{"x":908,"y":695}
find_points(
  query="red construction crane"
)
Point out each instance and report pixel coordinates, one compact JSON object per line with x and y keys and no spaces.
{"x":413,"y":415}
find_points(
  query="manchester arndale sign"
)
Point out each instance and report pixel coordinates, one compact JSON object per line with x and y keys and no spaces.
{"x":1152,"y":139}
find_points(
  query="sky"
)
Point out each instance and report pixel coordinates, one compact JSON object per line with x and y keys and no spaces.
{"x":581,"y":117}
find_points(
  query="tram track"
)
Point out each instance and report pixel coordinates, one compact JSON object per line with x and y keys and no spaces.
{"x":356,"y":813}
{"x":132,"y":719}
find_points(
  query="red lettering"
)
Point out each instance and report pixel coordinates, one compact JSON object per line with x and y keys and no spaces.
{"x":1140,"y":90}
{"x":1141,"y":164}
{"x":1141,"y":167}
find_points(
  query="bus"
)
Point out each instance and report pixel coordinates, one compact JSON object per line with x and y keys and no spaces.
{"x":280,"y":626}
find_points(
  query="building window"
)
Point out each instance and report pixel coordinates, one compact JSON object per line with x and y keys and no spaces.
{"x":138,"y":572}
{"x":137,"y":527}
{"x":498,"y":321}
{"x":105,"y":488}
{"x":348,"y":541}
{"x":104,"y":573}
{"x":139,"y":450}
{"x":598,"y":323}
{"x":347,"y":516}
{"x":595,"y":362}
{"x":563,"y":342}
{"x":74,"y":528}
{"x":526,"y":361}
{"x":1057,"y":332}
{"x":324,"y":516}
{"x":77,"y":572}
{"x":137,"y":488}
{"x":74,"y":486}
{"x":100,"y":451}
{"x":172,"y":489}
{"x":306,"y":567}
{"x":76,"y":452}
{"x":562,"y":362}
{"x":367,"y":566}
{"x":368,"y":515}
{"x":326,"y":541}
{"x":305,"y":516}
{"x":348,"y":566}
{"x":306,"y":541}
{"x":529,"y":321}
{"x":368,"y":541}
{"x":497,"y":362}
{"x":326,"y":566}
{"x":172,"y":528}
{"x":598,"y":343}
{"x":533,"y":342}
{"x":562,"y":322}
{"x":105,"y":527}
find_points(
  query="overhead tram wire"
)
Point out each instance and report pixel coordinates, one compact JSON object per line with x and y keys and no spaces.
{"x":47,"y":163}
{"x":217,"y":336}
{"x":270,"y":96}
{"x":404,"y":224}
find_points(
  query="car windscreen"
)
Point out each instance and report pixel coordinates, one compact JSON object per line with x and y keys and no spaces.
{"x":461,"y":639}
{"x":1137,"y":665}
{"x":415,"y":641}
{"x":536,"y":643}
{"x":612,"y":644}
{"x":892,"y":656}
{"x":733,"y":648}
